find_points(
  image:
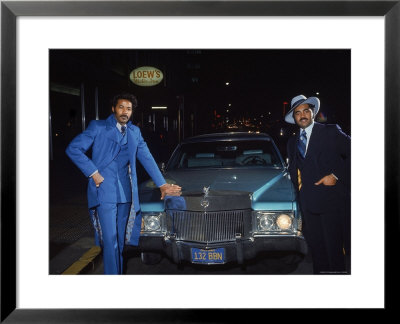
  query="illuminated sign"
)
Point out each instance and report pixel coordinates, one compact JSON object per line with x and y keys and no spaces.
{"x":146,"y":76}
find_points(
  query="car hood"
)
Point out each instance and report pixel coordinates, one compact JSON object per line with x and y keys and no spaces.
{"x":269,"y":189}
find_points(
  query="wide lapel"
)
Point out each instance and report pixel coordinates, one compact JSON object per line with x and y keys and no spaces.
{"x":295,"y":148}
{"x":111,"y":130}
{"x":294,"y":155}
{"x":130,"y":129}
{"x":292,"y":158}
{"x":111,"y":133}
{"x":314,"y":140}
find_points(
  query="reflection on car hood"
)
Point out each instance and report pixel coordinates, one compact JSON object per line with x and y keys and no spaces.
{"x":270,"y":188}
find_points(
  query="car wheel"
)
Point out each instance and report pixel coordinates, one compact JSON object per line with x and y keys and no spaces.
{"x":292,"y":258}
{"x":150,"y":258}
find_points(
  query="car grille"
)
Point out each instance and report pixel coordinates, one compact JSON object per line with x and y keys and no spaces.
{"x":207,"y":227}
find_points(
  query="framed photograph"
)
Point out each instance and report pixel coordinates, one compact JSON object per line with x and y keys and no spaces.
{"x":30,"y":29}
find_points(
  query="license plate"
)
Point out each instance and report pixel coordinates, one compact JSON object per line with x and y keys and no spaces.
{"x":208,"y":256}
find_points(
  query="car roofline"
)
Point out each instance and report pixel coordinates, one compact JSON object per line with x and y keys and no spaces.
{"x":226,"y":136}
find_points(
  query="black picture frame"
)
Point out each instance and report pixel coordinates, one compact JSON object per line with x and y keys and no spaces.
{"x":10,"y":10}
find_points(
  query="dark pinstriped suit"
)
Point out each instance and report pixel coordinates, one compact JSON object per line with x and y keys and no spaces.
{"x":325,"y":209}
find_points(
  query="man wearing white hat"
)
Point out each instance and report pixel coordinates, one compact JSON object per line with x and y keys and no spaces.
{"x":319,"y":166}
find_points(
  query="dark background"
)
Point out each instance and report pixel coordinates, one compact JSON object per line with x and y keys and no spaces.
{"x":261,"y":86}
{"x":194,"y":90}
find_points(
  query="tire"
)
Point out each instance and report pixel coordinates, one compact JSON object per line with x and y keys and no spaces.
{"x":150,"y":258}
{"x":292,"y":258}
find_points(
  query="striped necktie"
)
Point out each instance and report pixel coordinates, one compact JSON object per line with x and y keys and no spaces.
{"x":123,"y":129}
{"x":302,"y":144}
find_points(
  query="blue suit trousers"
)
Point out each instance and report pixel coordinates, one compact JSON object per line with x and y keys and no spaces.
{"x":113,"y":219}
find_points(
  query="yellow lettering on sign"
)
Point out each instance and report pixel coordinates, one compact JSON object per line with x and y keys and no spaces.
{"x":146,"y":76}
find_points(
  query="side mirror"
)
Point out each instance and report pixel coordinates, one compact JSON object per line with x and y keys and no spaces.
{"x":161,"y":166}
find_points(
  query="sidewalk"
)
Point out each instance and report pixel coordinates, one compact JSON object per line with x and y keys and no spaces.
{"x":71,"y":239}
{"x":71,"y":236}
{"x":81,"y":257}
{"x":70,"y":230}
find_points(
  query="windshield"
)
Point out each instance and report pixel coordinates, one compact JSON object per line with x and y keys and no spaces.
{"x":226,"y":154}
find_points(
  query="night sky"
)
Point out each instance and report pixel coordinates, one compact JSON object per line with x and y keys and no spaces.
{"x":260,"y":81}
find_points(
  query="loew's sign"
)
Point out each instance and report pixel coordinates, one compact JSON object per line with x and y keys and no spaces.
{"x":146,"y":76}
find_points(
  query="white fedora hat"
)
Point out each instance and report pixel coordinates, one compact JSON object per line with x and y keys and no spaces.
{"x":313,"y":102}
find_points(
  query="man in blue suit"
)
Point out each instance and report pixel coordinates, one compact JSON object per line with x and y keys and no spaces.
{"x":319,"y":166}
{"x":112,"y":190}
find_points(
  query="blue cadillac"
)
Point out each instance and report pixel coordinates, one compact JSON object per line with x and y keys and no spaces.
{"x":237,"y":202}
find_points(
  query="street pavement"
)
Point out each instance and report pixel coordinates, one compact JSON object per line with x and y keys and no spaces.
{"x":70,"y":232}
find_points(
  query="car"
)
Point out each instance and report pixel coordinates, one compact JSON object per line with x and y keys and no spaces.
{"x":237,"y":202}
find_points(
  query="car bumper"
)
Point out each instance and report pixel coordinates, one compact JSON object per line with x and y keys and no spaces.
{"x":237,"y":251}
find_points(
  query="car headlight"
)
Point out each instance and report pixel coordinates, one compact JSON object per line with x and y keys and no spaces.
{"x":265,"y":221}
{"x":273,"y":221}
{"x":284,"y":222}
{"x":151,"y":222}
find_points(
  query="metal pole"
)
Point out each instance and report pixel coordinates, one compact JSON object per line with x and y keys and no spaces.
{"x":166,"y":123}
{"x":96,"y":102}
{"x":181,"y":120}
{"x":50,"y":136}
{"x":165,"y":77}
{"x":183,"y":117}
{"x":179,"y":124}
{"x":83,"y":106}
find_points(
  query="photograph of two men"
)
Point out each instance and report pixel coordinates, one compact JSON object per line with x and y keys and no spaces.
{"x":200,"y":161}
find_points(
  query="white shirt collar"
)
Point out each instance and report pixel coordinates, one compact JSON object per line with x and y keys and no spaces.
{"x":119,"y":126}
{"x":308,"y":132}
{"x":308,"y":129}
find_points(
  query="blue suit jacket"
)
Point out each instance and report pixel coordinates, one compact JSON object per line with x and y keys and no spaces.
{"x":104,"y":138}
{"x":328,"y":152}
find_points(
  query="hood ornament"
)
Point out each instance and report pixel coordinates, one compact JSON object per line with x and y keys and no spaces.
{"x":204,"y":202}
